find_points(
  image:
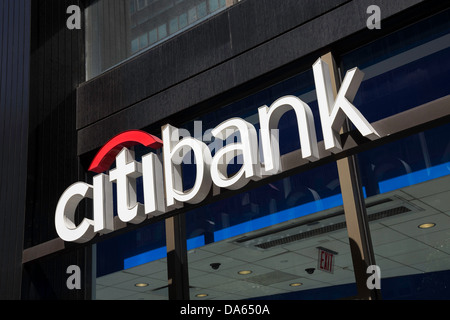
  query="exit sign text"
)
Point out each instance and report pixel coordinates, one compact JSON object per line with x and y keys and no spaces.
{"x":326,"y":260}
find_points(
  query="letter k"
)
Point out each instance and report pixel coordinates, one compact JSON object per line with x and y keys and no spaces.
{"x":333,"y":111}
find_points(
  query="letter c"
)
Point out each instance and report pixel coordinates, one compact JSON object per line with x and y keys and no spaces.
{"x":65,"y":214}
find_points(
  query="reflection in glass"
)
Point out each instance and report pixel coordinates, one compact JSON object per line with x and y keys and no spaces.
{"x":409,"y":178}
{"x":411,"y":243}
{"x":267,"y":239}
{"x":132,"y":266}
{"x":403,"y":70}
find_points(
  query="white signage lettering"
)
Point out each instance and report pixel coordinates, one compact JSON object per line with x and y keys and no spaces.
{"x":162,"y":175}
{"x":248,"y":148}
{"x":65,"y":214}
{"x":175,"y":195}
{"x":333,"y":112}
{"x":269,"y":118}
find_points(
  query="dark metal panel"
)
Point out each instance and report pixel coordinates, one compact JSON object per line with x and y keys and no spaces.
{"x":14,"y":64}
{"x":57,"y":68}
{"x":46,"y":279}
{"x":255,"y":22}
{"x":177,"y":261}
{"x":356,"y":218}
{"x":55,"y":73}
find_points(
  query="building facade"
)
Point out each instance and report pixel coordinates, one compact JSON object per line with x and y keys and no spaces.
{"x":349,"y":99}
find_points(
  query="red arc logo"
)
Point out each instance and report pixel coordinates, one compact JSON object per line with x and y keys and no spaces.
{"x":106,"y":156}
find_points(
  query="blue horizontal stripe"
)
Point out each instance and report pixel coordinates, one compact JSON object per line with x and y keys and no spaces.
{"x":159,"y":253}
{"x":415,"y":177}
{"x":279,"y":217}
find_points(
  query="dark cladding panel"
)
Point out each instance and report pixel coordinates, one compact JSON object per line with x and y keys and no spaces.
{"x":255,"y":22}
{"x":55,"y":72}
{"x":14,"y":95}
{"x":57,"y":67}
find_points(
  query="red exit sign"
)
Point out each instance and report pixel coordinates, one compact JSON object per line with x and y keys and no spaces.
{"x":326,"y":260}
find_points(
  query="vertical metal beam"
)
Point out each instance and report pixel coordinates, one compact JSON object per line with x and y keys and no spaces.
{"x":354,"y":208}
{"x":177,"y":267}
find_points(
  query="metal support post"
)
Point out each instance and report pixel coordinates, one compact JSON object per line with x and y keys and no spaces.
{"x":355,"y":209}
{"x":177,"y":265}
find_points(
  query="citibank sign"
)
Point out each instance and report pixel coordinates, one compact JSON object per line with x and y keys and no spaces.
{"x":162,"y":178}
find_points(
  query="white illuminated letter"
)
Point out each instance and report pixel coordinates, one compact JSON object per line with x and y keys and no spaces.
{"x":152,"y":173}
{"x":103,"y":204}
{"x":269,"y":119}
{"x":125,"y":174}
{"x":65,"y":215}
{"x":333,"y":112}
{"x":248,"y":148}
{"x":175,"y":193}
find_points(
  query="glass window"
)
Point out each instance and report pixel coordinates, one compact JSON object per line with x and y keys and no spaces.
{"x":162,"y":31}
{"x":135,"y":45}
{"x":411,"y":178}
{"x":139,"y":17}
{"x":266,"y":243}
{"x":173,"y":25}
{"x":153,"y":36}
{"x":403,"y":70}
{"x":183,"y":20}
{"x":213,"y":5}
{"x":143,"y":41}
{"x":192,"y":15}
{"x":406,"y":183}
{"x":132,"y":266}
{"x":132,"y":6}
{"x":202,"y":10}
